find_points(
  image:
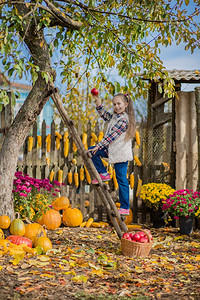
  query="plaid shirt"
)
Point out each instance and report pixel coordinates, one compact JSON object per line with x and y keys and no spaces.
{"x":120,"y":127}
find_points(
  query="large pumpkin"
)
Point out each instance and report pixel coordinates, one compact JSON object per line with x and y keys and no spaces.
{"x":44,"y":243}
{"x":33,"y":231}
{"x":17,"y":227}
{"x":51,"y":219}
{"x":61,"y":203}
{"x":18,"y":240}
{"x":4,"y":222}
{"x":129,"y":218}
{"x":72,"y":217}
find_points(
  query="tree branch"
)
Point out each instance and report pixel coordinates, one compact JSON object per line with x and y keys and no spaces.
{"x":85,"y":7}
{"x":63,"y":18}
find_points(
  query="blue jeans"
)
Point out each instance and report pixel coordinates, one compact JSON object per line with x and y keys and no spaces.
{"x":120,"y":170}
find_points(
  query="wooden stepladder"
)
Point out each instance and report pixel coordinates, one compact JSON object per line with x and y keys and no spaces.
{"x":101,"y":187}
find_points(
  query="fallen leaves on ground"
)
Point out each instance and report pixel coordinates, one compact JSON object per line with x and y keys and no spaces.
{"x":87,"y":263}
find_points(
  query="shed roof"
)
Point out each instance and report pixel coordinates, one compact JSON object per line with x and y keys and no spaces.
{"x":185,"y":76}
{"x":181,"y":76}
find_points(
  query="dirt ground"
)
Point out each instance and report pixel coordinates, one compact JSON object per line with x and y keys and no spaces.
{"x":87,"y":263}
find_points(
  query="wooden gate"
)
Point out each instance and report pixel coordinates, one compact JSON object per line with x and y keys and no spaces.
{"x":159,"y":143}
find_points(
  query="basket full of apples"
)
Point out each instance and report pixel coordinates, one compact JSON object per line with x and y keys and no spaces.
{"x":137,"y":243}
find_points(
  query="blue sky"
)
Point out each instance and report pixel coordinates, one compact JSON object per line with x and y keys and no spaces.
{"x":175,"y":57}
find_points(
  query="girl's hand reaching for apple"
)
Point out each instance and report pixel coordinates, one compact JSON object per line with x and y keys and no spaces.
{"x":95,"y":94}
{"x":97,"y":100}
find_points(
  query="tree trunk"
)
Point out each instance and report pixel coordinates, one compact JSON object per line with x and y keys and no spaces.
{"x":27,"y":115}
{"x":13,"y":142}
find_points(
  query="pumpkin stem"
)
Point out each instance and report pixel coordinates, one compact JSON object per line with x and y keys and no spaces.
{"x":28,"y":221}
{"x":17,"y":215}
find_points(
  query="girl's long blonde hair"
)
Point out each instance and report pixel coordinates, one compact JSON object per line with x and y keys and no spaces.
{"x":130,"y":132}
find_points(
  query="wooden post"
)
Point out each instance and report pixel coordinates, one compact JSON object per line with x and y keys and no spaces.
{"x":101,"y":188}
{"x":197,"y":103}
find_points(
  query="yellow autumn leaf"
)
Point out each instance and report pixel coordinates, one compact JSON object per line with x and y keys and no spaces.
{"x":47,"y":275}
{"x":195,"y":244}
{"x":59,"y":232}
{"x":43,"y":258}
{"x":99,"y":237}
{"x":80,"y":278}
{"x":197,"y":258}
{"x":15,"y":261}
{"x":70,"y":273}
{"x":99,"y":272}
{"x":189,"y":267}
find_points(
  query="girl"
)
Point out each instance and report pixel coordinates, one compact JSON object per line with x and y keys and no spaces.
{"x":116,"y":144}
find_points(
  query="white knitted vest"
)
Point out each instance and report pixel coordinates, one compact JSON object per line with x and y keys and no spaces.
{"x":119,"y":150}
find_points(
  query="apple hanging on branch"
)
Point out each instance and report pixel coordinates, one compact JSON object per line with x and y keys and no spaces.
{"x":94,"y":92}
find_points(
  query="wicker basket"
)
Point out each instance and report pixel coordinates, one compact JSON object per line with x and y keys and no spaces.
{"x":135,"y":249}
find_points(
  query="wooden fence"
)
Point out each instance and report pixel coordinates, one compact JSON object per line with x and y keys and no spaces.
{"x":38,"y":161}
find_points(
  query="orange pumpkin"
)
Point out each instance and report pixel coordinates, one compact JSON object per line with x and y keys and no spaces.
{"x":44,"y":243}
{"x":87,"y":203}
{"x":61,"y":203}
{"x":33,"y":231}
{"x":72,"y":217}
{"x":129,"y":218}
{"x":51,"y":219}
{"x":17,"y":227}
{"x":4,"y":222}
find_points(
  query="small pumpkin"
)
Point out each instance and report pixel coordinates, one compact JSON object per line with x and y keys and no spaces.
{"x":33,"y":231}
{"x":17,"y":227}
{"x":51,"y":219}
{"x":61,"y":203}
{"x":129,"y":218}
{"x":4,"y":222}
{"x":44,"y":243}
{"x":1,"y":234}
{"x":18,"y":240}
{"x":72,"y":217}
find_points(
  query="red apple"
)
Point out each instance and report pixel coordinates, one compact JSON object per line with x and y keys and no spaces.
{"x":143,"y":240}
{"x":125,"y":235}
{"x":141,"y":233}
{"x":136,"y":237}
{"x":94,"y":92}
{"x":131,"y":234}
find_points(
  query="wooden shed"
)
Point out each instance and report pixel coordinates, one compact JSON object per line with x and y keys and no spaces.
{"x":172,"y":137}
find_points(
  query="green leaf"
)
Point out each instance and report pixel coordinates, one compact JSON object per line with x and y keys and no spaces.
{"x":91,"y":251}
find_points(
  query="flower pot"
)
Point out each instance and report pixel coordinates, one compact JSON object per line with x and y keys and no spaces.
{"x":186,"y":225}
{"x":158,"y":218}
